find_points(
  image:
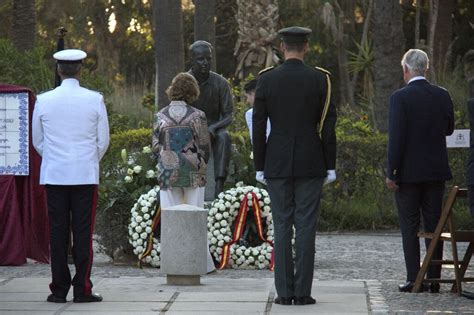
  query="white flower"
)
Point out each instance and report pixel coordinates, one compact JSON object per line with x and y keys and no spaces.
{"x":213,"y":240}
{"x":220,"y":243}
{"x":146,"y":149}
{"x":133,"y":224}
{"x":223,"y":230}
{"x":144,"y":209}
{"x":148,"y":229}
{"x":137,"y":169}
{"x":247,"y":252}
{"x":225,"y":215}
{"x":152,"y":193}
{"x":144,"y":224}
{"x":139,"y":219}
{"x":223,"y":223}
{"x":128,"y":179}
{"x":146,"y":216}
{"x":150,"y":174}
{"x":138,"y":229}
{"x":139,"y":241}
{"x":219,"y":216}
{"x":239,"y":252}
{"x":144,"y":235}
{"x":261,"y":258}
{"x":251,"y":259}
{"x":129,"y":171}
{"x":267,"y":200}
{"x":220,"y":237}
{"x":264,"y":193}
{"x":135,"y":236}
{"x":255,"y":252}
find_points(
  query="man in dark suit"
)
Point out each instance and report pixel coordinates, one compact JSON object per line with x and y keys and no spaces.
{"x":421,"y":116}
{"x":299,"y":155}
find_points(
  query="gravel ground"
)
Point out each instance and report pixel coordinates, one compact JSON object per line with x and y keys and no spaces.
{"x":376,"y":258}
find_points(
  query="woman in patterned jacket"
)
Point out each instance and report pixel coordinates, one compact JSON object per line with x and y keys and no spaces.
{"x":182,"y":144}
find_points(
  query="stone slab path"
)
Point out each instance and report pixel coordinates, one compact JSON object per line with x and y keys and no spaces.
{"x":354,"y":274}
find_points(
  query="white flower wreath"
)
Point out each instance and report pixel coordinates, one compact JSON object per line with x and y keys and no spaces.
{"x":222,"y":214}
{"x":140,"y":227}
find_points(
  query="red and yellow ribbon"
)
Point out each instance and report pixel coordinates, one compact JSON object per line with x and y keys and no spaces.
{"x":239,"y":227}
{"x":149,"y":244}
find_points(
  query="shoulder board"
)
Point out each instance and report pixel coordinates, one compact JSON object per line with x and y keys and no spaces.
{"x":265,"y":70}
{"x":323,"y":70}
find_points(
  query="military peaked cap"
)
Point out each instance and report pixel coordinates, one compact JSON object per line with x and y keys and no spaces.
{"x":295,"y":34}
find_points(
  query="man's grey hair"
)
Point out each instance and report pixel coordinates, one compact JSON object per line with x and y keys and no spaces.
{"x":416,"y":61}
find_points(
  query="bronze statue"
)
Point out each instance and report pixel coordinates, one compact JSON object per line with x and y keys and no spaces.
{"x":216,"y":101}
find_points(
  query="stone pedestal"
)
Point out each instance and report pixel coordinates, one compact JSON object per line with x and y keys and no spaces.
{"x":184,"y":244}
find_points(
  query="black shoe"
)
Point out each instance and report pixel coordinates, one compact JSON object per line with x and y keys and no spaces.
{"x":468,"y":295}
{"x":94,"y":297}
{"x":408,"y":287}
{"x":304,"y":300}
{"x":284,"y":301}
{"x":434,"y":287}
{"x":55,"y":299}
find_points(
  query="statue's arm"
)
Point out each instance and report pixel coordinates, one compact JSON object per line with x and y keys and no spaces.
{"x":226,"y":108}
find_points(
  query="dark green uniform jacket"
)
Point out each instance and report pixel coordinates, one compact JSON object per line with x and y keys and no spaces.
{"x":293,"y":96}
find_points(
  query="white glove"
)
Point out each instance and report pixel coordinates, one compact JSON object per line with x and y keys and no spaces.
{"x":259,"y":177}
{"x":330,"y":177}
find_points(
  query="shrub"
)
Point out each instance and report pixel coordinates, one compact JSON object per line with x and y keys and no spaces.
{"x":117,"y":194}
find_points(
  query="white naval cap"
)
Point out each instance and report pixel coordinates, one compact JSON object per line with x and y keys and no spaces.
{"x":70,"y":55}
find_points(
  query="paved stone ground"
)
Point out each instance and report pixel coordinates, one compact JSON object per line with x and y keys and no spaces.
{"x":376,"y":260}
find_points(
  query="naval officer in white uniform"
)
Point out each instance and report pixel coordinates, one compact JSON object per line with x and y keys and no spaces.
{"x":71,"y":133}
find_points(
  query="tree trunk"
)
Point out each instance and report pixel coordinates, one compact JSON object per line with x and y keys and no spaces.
{"x":443,"y":35}
{"x":417,"y":23}
{"x":347,"y":93}
{"x":204,"y":24}
{"x":433,"y":20}
{"x":388,"y":41}
{"x":169,"y":46}
{"x":24,"y":24}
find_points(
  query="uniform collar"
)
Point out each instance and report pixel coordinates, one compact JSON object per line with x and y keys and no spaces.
{"x":294,"y":61}
{"x":70,"y":82}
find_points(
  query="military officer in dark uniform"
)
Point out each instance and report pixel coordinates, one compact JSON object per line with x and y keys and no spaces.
{"x":299,"y":155}
{"x":215,"y":100}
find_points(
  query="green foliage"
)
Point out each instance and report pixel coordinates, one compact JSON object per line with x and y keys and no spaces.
{"x":128,"y":170}
{"x":131,"y":140}
{"x":35,"y":69}
{"x":240,"y":159}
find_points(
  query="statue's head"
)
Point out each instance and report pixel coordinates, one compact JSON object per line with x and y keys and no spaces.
{"x":201,"y":57}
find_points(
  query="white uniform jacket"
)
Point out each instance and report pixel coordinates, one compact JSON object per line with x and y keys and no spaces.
{"x":71,"y":133}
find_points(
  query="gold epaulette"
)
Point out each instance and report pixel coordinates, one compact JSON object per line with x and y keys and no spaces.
{"x":265,"y":70}
{"x":323,"y":70}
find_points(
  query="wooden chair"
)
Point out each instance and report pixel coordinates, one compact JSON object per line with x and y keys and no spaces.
{"x":446,"y":232}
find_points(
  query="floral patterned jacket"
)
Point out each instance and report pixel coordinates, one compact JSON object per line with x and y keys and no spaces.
{"x":182,"y":144}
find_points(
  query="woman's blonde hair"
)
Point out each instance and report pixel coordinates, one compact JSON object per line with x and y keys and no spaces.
{"x":184,"y":87}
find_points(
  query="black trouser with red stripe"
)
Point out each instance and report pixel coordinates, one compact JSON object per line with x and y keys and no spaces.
{"x":71,"y":204}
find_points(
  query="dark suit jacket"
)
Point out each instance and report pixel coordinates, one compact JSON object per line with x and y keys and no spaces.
{"x":470,"y":161}
{"x":421,"y":116}
{"x":293,"y":96}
